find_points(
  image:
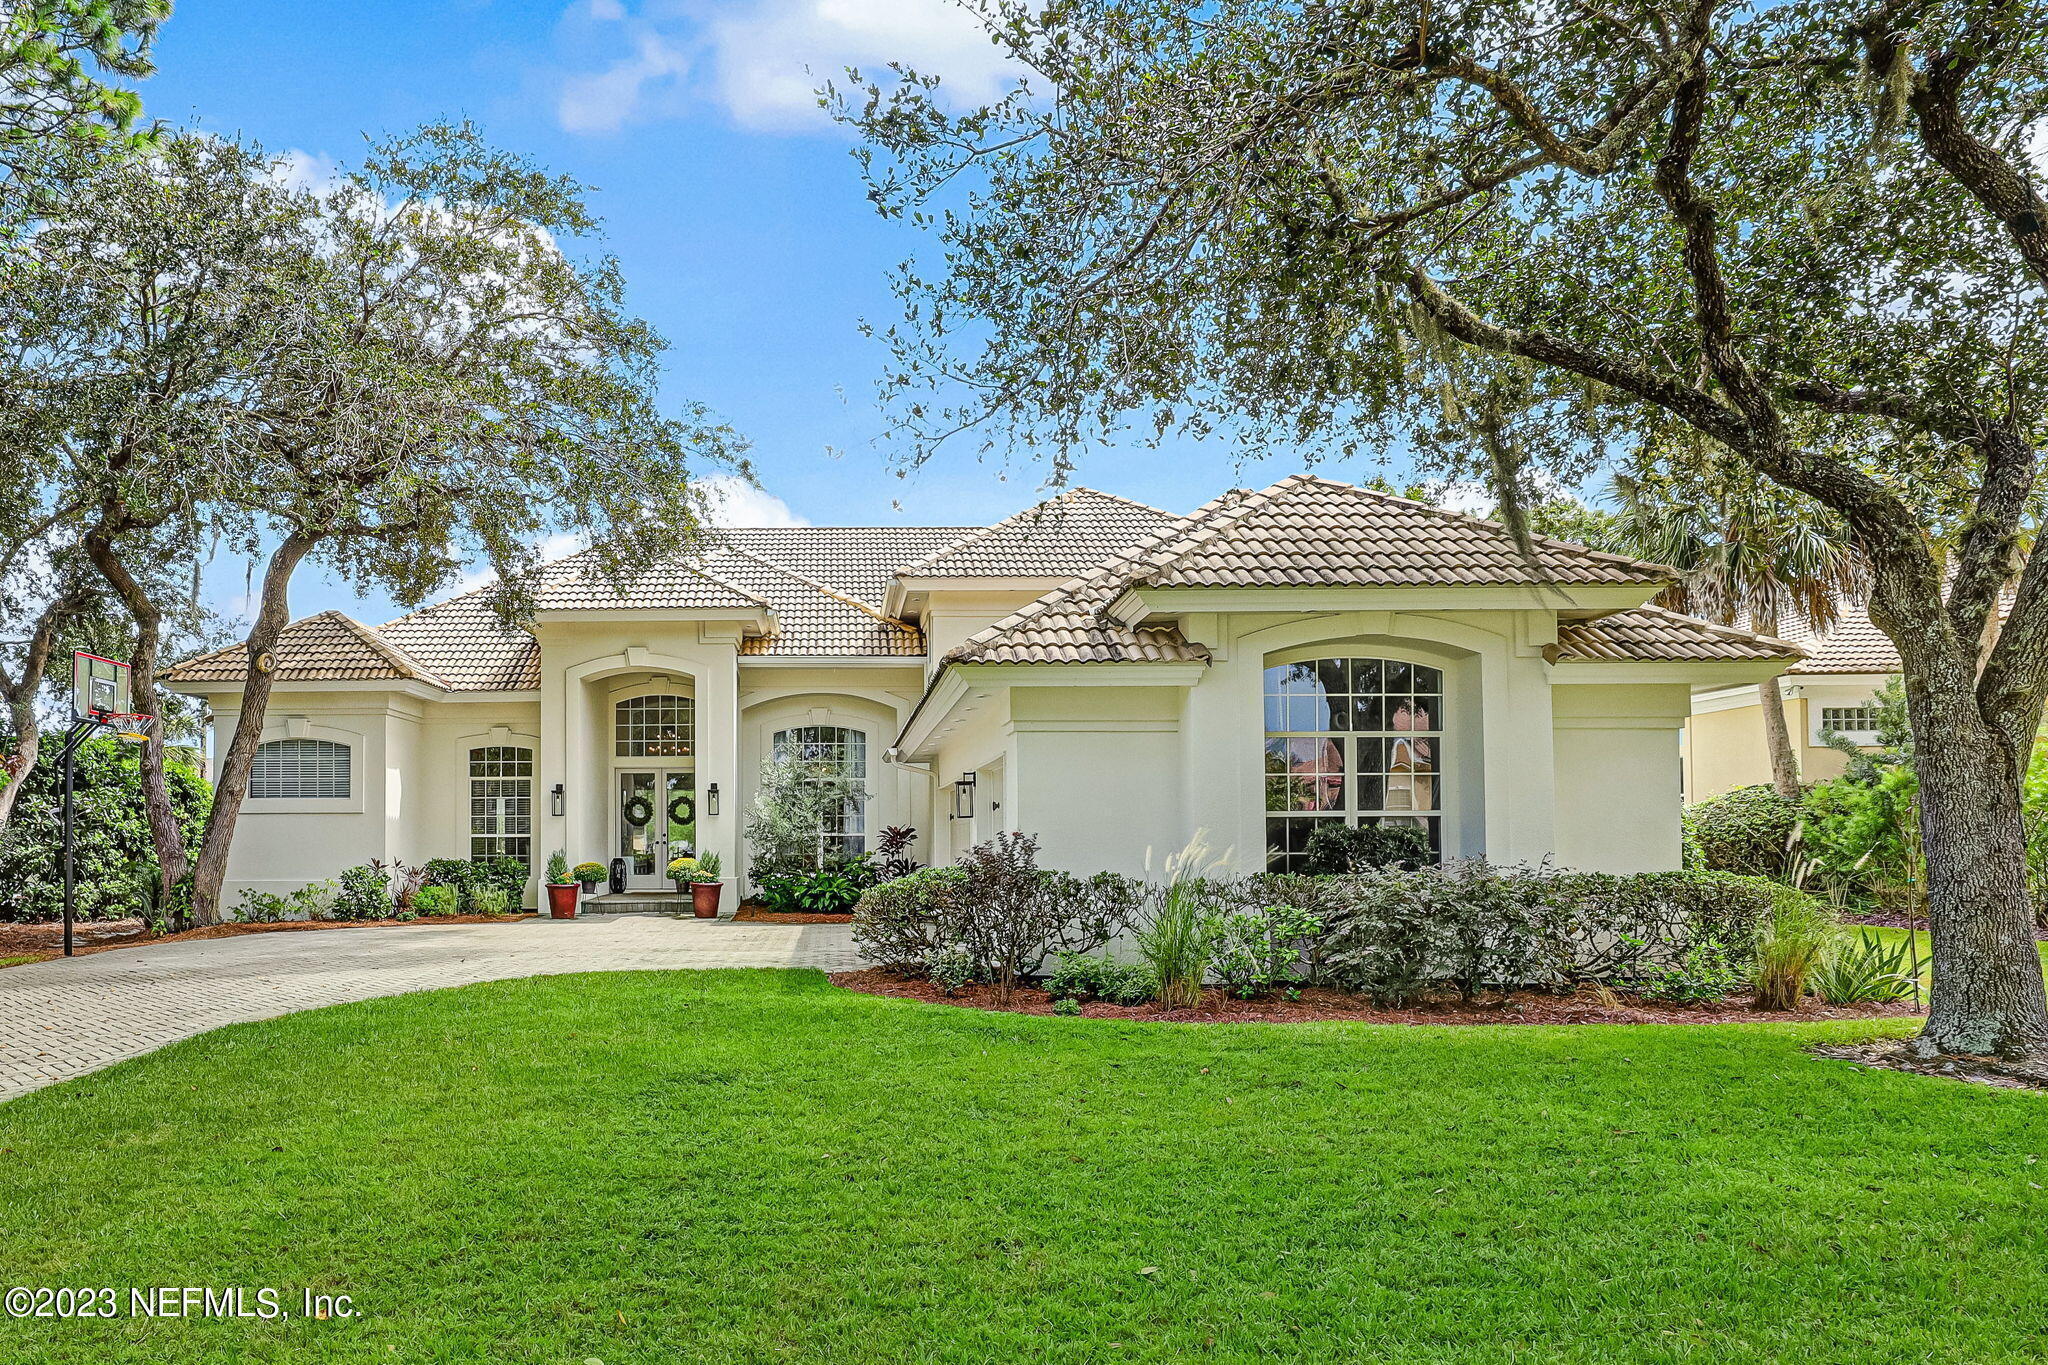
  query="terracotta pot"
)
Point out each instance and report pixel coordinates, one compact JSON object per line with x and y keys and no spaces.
{"x":562,"y":901}
{"x":704,"y":898}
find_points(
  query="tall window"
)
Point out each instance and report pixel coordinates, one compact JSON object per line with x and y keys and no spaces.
{"x":1353,"y":740}
{"x":842,"y":833}
{"x":655,"y":727}
{"x":501,"y":802}
{"x":300,"y":770}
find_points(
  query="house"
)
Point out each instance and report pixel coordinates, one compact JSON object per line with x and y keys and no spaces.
{"x":1108,"y":676}
{"x":1832,"y":689}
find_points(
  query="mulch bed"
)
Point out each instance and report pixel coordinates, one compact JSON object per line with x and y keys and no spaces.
{"x":754,"y":912}
{"x":1316,"y":1003}
{"x":46,"y":940}
{"x":1896,"y":1054}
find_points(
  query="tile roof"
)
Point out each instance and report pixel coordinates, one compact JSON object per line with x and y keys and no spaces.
{"x":1309,"y":531}
{"x":329,"y":647}
{"x":467,"y":646}
{"x":814,"y":618}
{"x":856,"y":560}
{"x":696,"y":581}
{"x":1648,"y":634}
{"x":1060,"y":537}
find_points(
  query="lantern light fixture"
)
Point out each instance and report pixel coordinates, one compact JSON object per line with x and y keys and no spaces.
{"x":963,"y":797}
{"x":711,"y":799}
{"x":555,"y":802}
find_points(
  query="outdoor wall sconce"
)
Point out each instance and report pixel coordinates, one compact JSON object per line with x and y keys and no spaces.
{"x":555,"y":800}
{"x":963,"y":797}
{"x":711,"y":799}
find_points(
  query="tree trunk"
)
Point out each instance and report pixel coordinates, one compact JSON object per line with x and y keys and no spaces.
{"x":21,"y":693}
{"x":172,"y":861}
{"x":1778,"y":738}
{"x":1987,"y":995}
{"x":211,"y":867}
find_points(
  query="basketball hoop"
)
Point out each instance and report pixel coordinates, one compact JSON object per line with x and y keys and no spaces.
{"x":130,"y":727}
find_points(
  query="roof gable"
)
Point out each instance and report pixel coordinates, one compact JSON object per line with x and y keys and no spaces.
{"x":328,"y":647}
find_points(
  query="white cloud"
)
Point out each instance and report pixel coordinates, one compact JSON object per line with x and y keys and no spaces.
{"x":300,"y":170}
{"x":735,"y":502}
{"x":763,"y":60}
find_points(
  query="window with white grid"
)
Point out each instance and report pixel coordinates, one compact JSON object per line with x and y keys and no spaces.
{"x":844,"y":833}
{"x":1351,"y":741}
{"x":300,"y":770}
{"x":501,"y":802}
{"x":655,"y":727}
{"x":1850,"y":722}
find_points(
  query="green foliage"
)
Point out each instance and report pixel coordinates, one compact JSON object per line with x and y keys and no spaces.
{"x":114,"y":852}
{"x":799,"y":793}
{"x":589,"y":874}
{"x":949,"y":968}
{"x":490,"y":898}
{"x":1867,"y":834}
{"x":1176,"y":944}
{"x":1706,"y":973}
{"x":558,"y":869}
{"x":1335,"y":847}
{"x":56,"y":57}
{"x":1067,"y":1008}
{"x":1088,"y":976}
{"x":506,"y":877}
{"x":1894,"y":736}
{"x":435,"y":901}
{"x":1867,"y":970}
{"x":710,"y":867}
{"x":1252,"y":951}
{"x":898,"y":923}
{"x":1747,"y":831}
{"x":314,"y":900}
{"x":364,"y":892}
{"x":1794,"y":940}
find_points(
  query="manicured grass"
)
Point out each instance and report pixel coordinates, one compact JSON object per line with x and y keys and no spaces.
{"x":753,"y":1166}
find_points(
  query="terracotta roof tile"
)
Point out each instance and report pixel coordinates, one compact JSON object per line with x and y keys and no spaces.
{"x":1650,"y":634}
{"x":1310,"y":531}
{"x":1060,"y":537}
{"x":329,"y":647}
{"x":467,"y":646}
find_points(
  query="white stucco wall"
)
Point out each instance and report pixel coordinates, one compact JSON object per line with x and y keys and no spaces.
{"x":1618,"y":798}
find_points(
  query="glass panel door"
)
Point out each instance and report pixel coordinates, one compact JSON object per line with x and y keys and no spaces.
{"x":679,"y":793}
{"x":640,"y":829}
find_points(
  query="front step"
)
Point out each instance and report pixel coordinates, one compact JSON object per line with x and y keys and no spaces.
{"x":637,"y":903}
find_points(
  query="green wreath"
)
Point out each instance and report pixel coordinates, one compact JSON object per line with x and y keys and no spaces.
{"x":639,"y":810}
{"x":687,"y":815}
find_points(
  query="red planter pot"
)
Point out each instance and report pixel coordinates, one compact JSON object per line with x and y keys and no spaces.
{"x":704,"y":898}
{"x":562,"y":901}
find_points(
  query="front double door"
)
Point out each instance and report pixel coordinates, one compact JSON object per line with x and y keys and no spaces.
{"x":656,"y":817}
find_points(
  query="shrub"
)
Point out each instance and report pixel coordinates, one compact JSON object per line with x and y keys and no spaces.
{"x":892,"y":852}
{"x":1868,"y":971}
{"x":558,"y":868}
{"x":1797,"y":933}
{"x":1748,"y":831}
{"x":830,"y":890}
{"x":114,"y":853}
{"x":435,"y":901}
{"x":1177,"y":943}
{"x":314,"y":900}
{"x":949,"y":968}
{"x":507,"y":874}
{"x":1252,"y":950}
{"x":896,"y":924}
{"x":403,"y":880}
{"x":1068,"y":1008}
{"x":1704,"y":974}
{"x":490,"y":899}
{"x":364,"y":893}
{"x":1008,"y":914}
{"x":1083,"y":976}
{"x":1336,"y":848}
{"x":1867,"y":835}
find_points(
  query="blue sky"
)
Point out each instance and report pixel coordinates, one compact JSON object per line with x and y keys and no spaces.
{"x":732,"y":203}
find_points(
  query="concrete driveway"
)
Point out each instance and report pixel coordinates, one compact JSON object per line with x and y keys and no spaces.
{"x":67,"y":1017}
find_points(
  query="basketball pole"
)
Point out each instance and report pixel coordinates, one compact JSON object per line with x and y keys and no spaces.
{"x":73,"y":737}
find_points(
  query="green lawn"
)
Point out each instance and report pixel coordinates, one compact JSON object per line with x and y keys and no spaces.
{"x":753,"y":1166}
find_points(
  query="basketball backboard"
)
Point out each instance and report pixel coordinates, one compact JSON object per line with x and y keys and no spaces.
{"x":99,"y":687}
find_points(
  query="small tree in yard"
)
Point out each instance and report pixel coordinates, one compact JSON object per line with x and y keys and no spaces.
{"x":386,"y":375}
{"x":1810,"y":236}
{"x":801,"y":796}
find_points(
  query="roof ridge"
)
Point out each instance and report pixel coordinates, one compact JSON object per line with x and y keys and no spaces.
{"x":1229,"y":507}
{"x":1468,"y":519}
{"x":692,"y":567}
{"x":825,"y":588}
{"x":397,"y":657}
{"x":982,"y":532}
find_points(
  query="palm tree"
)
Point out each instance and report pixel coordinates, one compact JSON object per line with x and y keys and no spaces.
{"x":1746,"y":551}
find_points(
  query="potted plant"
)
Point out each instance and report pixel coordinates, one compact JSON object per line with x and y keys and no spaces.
{"x":588,"y":875}
{"x":705,"y":887}
{"x":561,"y":887}
{"x":680,"y":871}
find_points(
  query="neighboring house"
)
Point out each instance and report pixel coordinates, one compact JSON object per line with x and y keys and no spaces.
{"x":1107,"y":676}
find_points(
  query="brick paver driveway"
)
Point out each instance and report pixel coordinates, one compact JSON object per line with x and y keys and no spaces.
{"x":63,"y":1018}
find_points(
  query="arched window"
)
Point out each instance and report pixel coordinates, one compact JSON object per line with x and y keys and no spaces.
{"x":300,"y":770}
{"x":655,"y":727}
{"x":1352,"y":740}
{"x":842,"y":833}
{"x":501,"y":802}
